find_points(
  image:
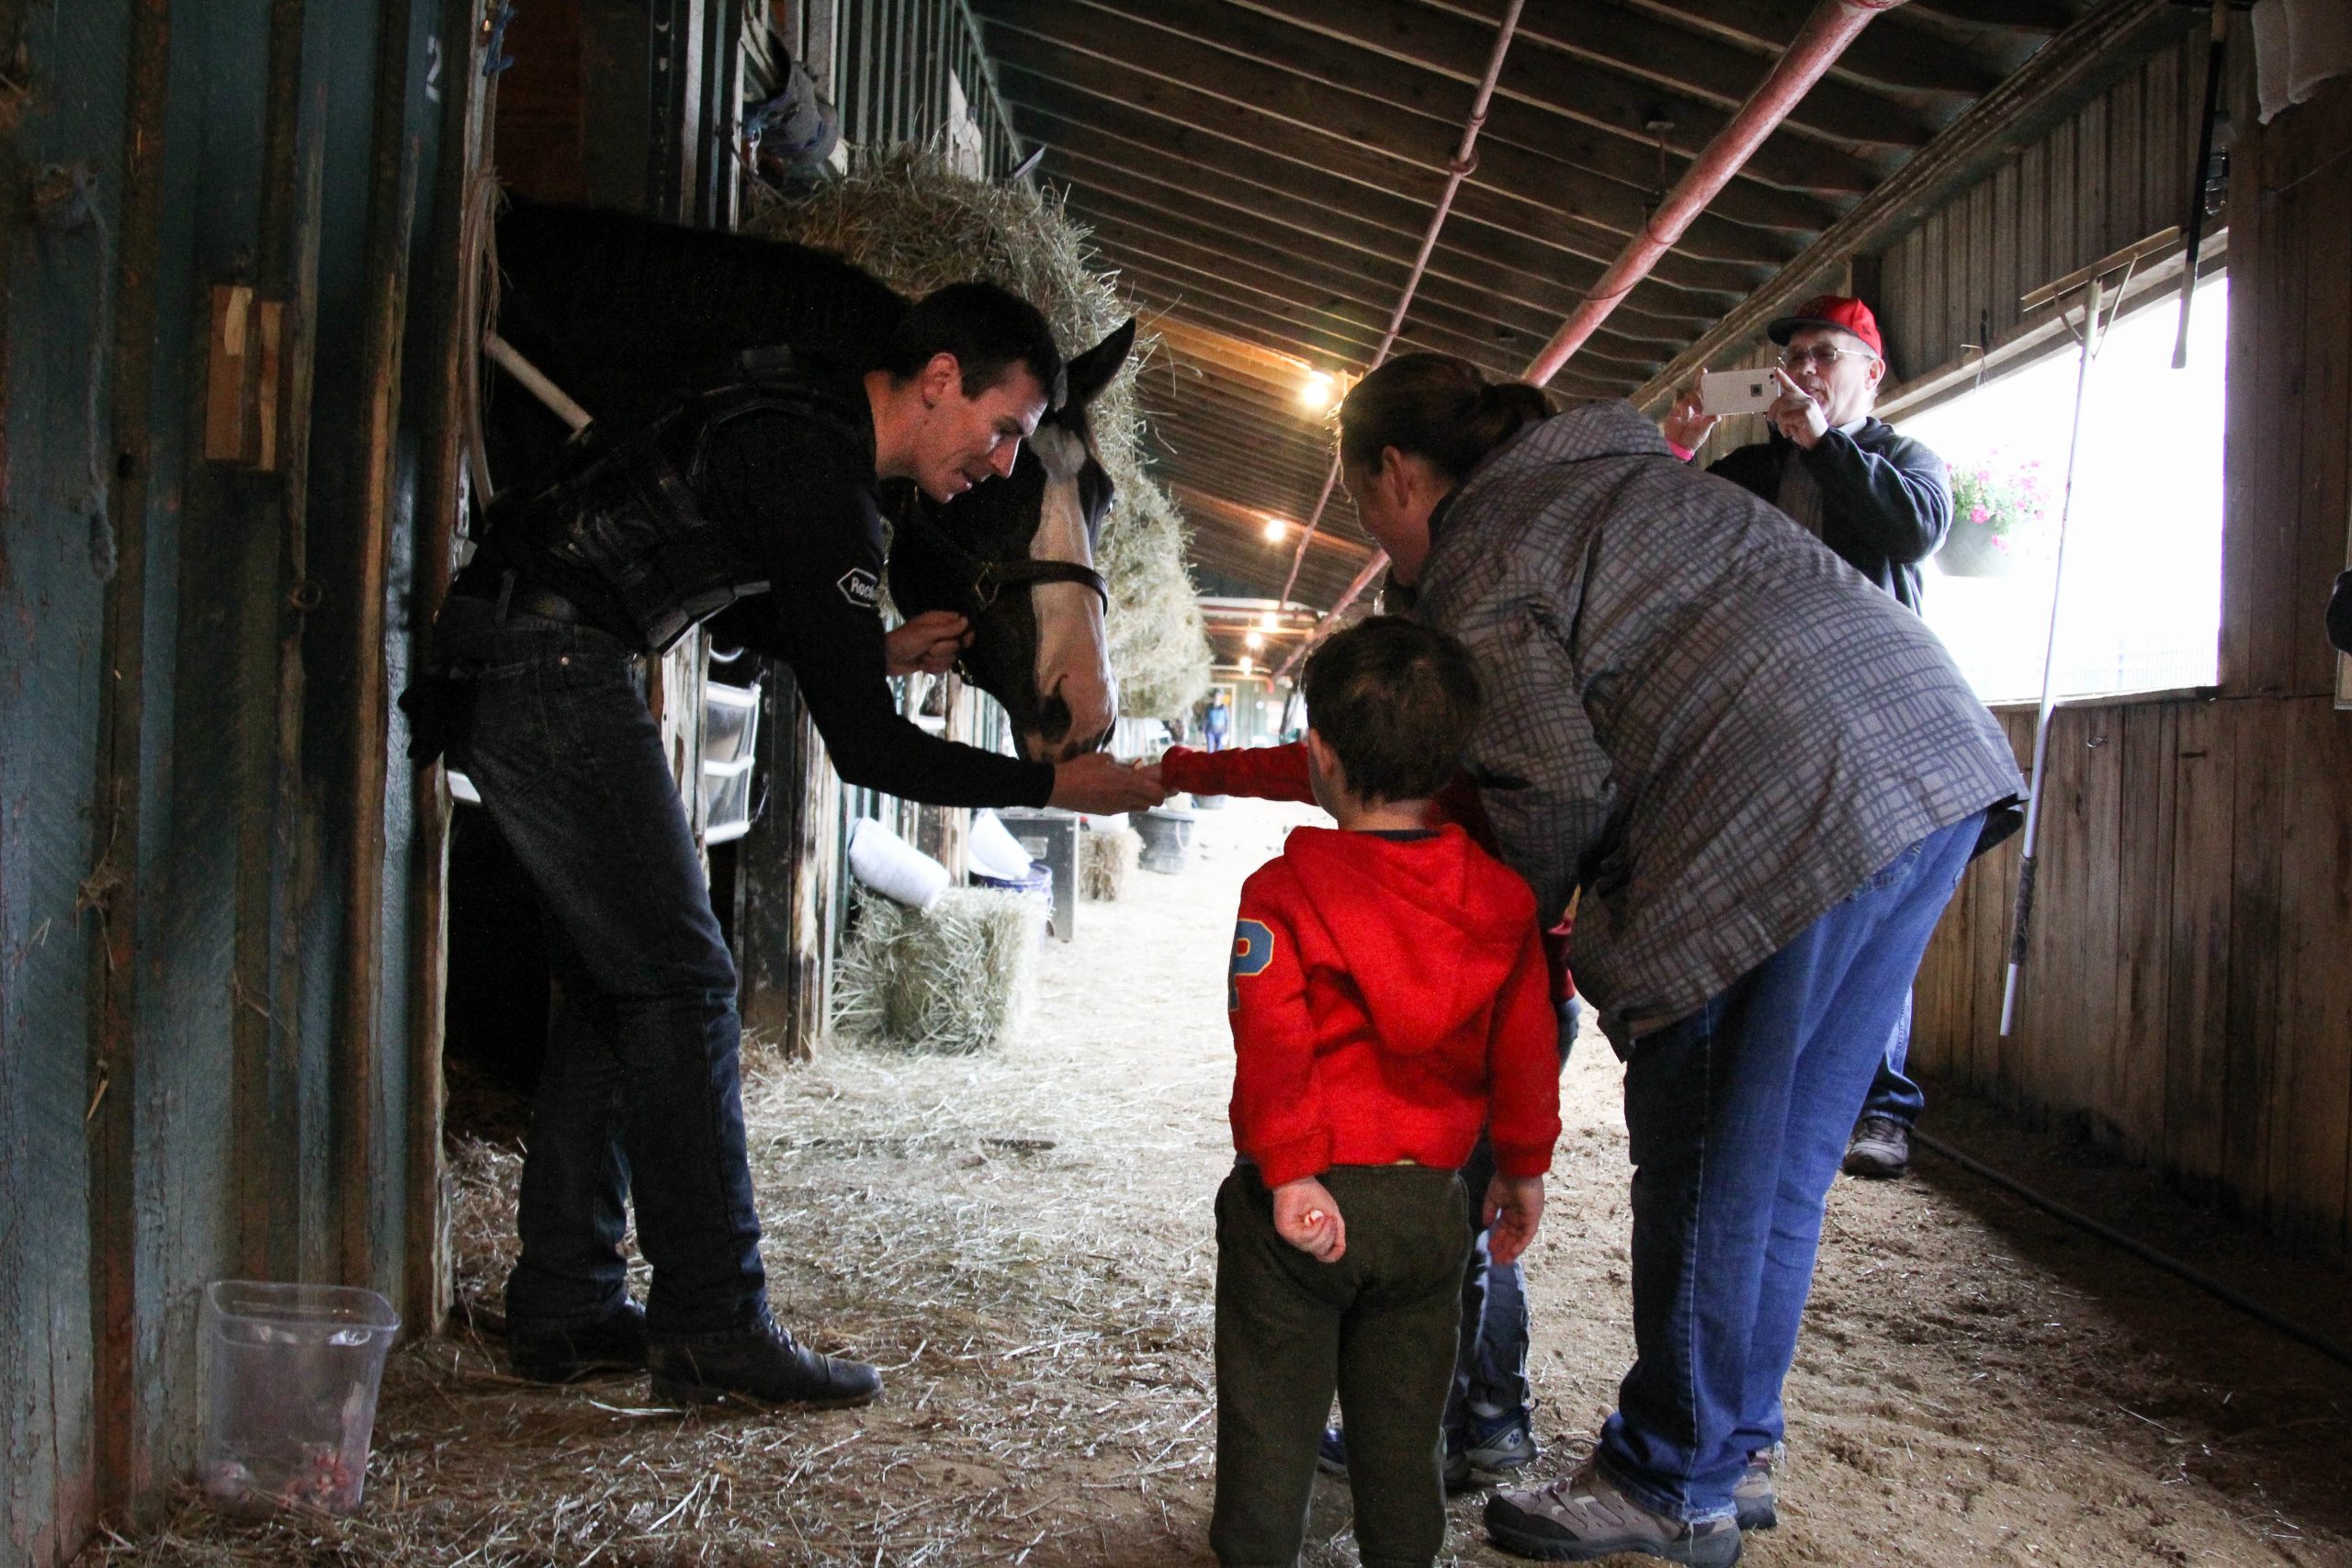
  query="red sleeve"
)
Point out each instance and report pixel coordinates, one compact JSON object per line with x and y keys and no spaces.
{"x":1278,"y":1118}
{"x":1523,"y":1068}
{"x":1262,"y":772}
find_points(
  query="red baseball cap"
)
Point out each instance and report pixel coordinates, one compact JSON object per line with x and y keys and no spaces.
{"x":1842,"y":312}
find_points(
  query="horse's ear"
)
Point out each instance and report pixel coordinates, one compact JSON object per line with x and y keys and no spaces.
{"x":1092,"y":371}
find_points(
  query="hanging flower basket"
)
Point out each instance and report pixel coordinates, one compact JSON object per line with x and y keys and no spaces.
{"x":1972,"y":550}
{"x":1998,"y":517}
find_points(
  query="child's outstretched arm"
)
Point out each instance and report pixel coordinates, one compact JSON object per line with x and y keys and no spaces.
{"x":1307,"y":1216}
{"x":1260,"y":773}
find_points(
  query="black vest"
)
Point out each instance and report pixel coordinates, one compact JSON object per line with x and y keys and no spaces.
{"x":618,"y":524}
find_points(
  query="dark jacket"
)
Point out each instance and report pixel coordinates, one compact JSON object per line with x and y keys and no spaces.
{"x":782,"y":516}
{"x":1885,"y":500}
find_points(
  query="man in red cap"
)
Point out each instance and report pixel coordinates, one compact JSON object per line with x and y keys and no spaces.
{"x":1883,"y":503}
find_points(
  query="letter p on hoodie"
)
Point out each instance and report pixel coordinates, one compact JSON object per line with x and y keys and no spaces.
{"x":1389,"y":997}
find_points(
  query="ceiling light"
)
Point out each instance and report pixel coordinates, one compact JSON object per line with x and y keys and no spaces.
{"x":1276,"y":530}
{"x":1254,"y":641}
{"x":1248,"y":664}
{"x":1317,"y":391}
{"x":1269,"y":622}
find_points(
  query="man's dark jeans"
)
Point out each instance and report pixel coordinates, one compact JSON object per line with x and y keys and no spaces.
{"x":641,"y":1088}
{"x":1738,"y":1117}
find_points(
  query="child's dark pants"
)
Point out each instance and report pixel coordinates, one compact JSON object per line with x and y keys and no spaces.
{"x":1379,"y":1325}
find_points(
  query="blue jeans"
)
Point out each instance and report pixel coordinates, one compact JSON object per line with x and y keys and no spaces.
{"x":640,"y":1095}
{"x":1738,"y":1117}
{"x":1490,"y":1365}
{"x":1892,"y":1094}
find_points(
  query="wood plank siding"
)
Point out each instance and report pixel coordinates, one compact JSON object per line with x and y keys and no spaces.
{"x":2189,"y":1000}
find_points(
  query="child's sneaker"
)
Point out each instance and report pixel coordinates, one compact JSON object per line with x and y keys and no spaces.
{"x":1489,"y":1451}
{"x":1495,"y":1446}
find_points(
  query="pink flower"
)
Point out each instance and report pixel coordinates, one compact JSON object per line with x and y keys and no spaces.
{"x":1978,"y":514}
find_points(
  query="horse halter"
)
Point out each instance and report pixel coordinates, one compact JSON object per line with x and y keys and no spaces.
{"x":985,"y":579}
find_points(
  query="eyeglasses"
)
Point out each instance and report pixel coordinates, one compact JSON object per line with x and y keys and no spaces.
{"x":1823,"y":355}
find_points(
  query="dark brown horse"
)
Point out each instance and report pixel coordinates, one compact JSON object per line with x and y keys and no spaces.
{"x":623,"y":313}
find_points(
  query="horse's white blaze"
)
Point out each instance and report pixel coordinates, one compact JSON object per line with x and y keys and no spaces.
{"x":1073,"y":647}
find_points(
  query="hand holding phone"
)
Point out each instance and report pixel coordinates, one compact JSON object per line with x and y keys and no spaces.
{"x":1737,"y":391}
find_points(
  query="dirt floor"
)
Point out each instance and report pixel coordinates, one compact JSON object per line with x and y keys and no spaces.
{"x":1022,"y":1240}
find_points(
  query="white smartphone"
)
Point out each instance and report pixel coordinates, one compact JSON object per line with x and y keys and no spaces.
{"x":1737,"y":391}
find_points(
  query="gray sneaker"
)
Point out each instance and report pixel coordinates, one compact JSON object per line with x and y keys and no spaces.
{"x":1881,"y":1149}
{"x":1493,"y":1448}
{"x":1584,"y":1517}
{"x":1753,"y":1494}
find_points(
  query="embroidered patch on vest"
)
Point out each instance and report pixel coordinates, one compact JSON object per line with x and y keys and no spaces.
{"x":860,"y":587}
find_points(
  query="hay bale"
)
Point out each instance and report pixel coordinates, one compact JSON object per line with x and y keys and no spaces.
{"x":905,"y":215}
{"x":1104,"y":858}
{"x":954,"y":979}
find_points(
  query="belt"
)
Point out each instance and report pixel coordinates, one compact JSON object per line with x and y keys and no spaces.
{"x":524,"y":599}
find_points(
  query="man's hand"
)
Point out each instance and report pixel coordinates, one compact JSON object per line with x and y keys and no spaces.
{"x":1685,"y":423}
{"x":1514,"y":1207}
{"x":929,"y":643}
{"x":1100,"y":783}
{"x":1307,"y":1216}
{"x":1795,"y":415}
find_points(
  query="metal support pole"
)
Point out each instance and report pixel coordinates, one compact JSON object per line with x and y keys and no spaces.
{"x":2020,"y":925}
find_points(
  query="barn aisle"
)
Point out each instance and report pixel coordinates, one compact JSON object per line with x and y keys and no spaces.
{"x":1023,"y":1240}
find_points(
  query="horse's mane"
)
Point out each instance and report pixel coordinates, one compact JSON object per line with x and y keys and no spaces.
{"x":623,"y":312}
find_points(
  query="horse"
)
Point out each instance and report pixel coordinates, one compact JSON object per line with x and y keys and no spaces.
{"x":625,"y":313}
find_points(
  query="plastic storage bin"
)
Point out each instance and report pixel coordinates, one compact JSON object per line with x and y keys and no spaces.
{"x":291,"y":1377}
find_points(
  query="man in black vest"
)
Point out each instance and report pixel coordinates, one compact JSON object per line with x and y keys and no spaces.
{"x":765,"y":487}
{"x":1883,"y":503}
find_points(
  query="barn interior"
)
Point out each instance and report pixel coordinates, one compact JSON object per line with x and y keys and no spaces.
{"x":272,"y":1000}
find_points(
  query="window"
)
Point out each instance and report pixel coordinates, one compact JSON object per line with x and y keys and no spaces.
{"x":2142,"y":610}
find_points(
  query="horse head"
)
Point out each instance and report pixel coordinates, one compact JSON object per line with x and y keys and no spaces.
{"x":1016,"y":557}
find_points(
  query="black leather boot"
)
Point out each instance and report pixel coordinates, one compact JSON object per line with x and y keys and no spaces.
{"x":760,"y":1363}
{"x":559,"y":1353}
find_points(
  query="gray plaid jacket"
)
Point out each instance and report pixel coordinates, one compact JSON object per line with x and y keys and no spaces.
{"x":1697,"y":713}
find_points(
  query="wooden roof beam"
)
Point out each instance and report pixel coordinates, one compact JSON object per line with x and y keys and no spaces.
{"x":1441,"y":304}
{"x":1546,"y":101}
{"x":1619,"y":73}
{"x":1335,"y":129}
{"x":1239,"y":291}
{"x":1545,"y":299}
{"x":1888,"y":55}
{"x":1368,"y":187}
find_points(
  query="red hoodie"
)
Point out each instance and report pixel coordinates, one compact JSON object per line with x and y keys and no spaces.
{"x":1388,"y":999}
{"x":1279,"y":772}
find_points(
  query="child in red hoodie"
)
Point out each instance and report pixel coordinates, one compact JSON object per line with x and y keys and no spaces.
{"x":1389,"y":997}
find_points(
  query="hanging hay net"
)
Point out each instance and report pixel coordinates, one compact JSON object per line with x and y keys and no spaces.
{"x":906,"y":216}
{"x":953,"y":979}
{"x":1104,"y":861}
